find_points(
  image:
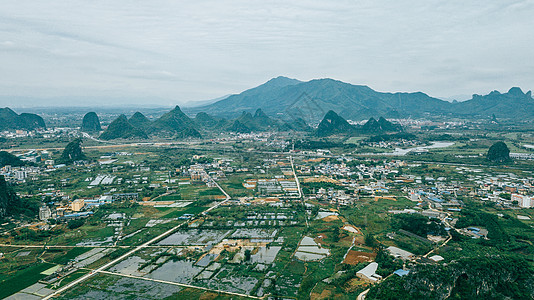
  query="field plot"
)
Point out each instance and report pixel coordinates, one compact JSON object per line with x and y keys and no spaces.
{"x":200,"y":192}
{"x":195,"y":237}
{"x":181,"y":271}
{"x":24,"y":279}
{"x":129,"y":266}
{"x":265,"y":255}
{"x":116,"y":287}
{"x":254,"y":233}
{"x":230,"y":279}
{"x":309,"y":250}
{"x":356,"y":257}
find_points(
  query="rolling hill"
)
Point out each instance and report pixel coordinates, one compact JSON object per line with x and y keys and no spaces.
{"x":174,"y":123}
{"x":332,"y":123}
{"x":120,"y":128}
{"x":139,"y":120}
{"x":91,"y":123}
{"x":10,"y":120}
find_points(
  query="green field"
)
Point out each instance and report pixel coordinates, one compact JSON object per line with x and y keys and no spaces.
{"x":71,"y":254}
{"x":23,"y":279}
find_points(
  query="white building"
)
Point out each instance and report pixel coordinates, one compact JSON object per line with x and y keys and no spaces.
{"x":414,"y":196}
{"x":523,"y":201}
{"x":44,"y":213}
{"x":21,"y":175}
{"x":399,"y":253}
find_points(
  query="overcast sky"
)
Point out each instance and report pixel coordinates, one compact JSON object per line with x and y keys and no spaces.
{"x":177,"y":51}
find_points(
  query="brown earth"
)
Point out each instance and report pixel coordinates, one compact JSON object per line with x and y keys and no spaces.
{"x":330,"y":218}
{"x":324,"y":295}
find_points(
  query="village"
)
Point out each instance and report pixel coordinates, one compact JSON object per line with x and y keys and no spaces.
{"x":234,"y":223}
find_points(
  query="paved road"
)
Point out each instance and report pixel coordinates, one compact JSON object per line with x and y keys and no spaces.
{"x":220,"y":203}
{"x":362,"y":295}
{"x":88,"y":136}
{"x":296,"y":178}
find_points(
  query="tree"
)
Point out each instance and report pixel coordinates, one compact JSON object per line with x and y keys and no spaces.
{"x":73,"y":152}
{"x":498,"y":152}
{"x":247,"y":254}
{"x":12,"y":205}
{"x":506,"y":196}
{"x":73,"y":224}
{"x":335,"y":233}
{"x":7,"y":158}
{"x":370,"y":240}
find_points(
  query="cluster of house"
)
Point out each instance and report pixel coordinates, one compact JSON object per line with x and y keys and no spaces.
{"x":334,"y":169}
{"x":20,"y":174}
{"x":79,"y":208}
{"x":393,"y":144}
{"x":252,"y":136}
{"x":334,"y":196}
{"x":523,"y":201}
{"x":198,"y":173}
{"x":441,"y":192}
{"x":493,"y":188}
{"x":19,"y":133}
{"x":368,"y":273}
{"x":48,"y":133}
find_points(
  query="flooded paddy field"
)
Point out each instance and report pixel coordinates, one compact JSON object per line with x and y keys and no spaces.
{"x":116,"y":287}
{"x":195,"y":237}
{"x":257,"y":233}
{"x":232,"y":278}
{"x":181,"y":271}
{"x":216,"y":254}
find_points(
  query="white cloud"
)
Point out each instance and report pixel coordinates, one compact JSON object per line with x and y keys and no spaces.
{"x":187,"y":50}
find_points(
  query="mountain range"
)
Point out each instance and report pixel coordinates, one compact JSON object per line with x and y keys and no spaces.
{"x":289,"y":104}
{"x":290,"y":98}
{"x":171,"y":124}
{"x":177,"y":124}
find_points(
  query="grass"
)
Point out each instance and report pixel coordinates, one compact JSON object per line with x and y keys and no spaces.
{"x":371,"y":216}
{"x":23,"y":279}
{"x":190,"y":293}
{"x":171,"y":197}
{"x":190,"y":210}
{"x":198,"y":192}
{"x":354,"y":139}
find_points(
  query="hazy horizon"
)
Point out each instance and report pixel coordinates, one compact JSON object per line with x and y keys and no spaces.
{"x":166,"y":53}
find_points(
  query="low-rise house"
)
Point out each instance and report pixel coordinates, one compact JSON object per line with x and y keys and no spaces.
{"x":399,"y":253}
